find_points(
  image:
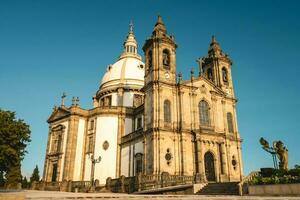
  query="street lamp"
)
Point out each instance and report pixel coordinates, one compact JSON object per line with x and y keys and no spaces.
{"x":94,"y":161}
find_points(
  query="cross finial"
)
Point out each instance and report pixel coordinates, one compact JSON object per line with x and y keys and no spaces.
{"x":63,"y":99}
{"x":131,"y":26}
{"x":192,"y":74}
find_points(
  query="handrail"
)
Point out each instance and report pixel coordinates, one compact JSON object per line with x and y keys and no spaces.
{"x":246,"y":180}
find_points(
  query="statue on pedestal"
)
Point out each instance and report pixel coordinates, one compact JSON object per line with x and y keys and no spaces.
{"x":278,"y":150}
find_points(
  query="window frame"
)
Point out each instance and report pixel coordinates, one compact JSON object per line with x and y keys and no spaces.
{"x":204,"y":113}
{"x":230,"y":126}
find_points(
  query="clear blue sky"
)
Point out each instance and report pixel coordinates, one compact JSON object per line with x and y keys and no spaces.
{"x":47,"y":47}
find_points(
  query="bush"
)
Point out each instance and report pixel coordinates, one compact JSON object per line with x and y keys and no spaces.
{"x":294,"y":172}
{"x":275,"y":176}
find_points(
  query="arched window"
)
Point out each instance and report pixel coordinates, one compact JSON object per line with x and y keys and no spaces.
{"x":150,"y":59}
{"x":167,"y":111}
{"x":225,"y":75}
{"x":230,"y":122}
{"x":210,"y":75}
{"x":166,"y":59}
{"x":204,"y":113}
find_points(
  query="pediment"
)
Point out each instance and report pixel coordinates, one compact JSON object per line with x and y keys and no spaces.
{"x":57,"y":114}
{"x":204,"y":84}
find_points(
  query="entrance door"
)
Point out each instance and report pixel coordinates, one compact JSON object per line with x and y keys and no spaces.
{"x":54,"y":172}
{"x":209,"y":166}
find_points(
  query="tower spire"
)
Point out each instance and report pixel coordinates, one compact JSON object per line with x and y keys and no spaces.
{"x":214,"y":49}
{"x":159,"y":26}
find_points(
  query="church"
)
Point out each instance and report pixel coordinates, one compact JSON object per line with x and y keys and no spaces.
{"x":147,"y":120}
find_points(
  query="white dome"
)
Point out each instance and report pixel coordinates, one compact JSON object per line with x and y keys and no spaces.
{"x":129,"y":70}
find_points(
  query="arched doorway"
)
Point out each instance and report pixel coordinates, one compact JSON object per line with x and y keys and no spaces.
{"x":209,"y":166}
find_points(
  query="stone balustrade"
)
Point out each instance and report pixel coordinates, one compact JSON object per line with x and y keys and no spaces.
{"x":147,"y":182}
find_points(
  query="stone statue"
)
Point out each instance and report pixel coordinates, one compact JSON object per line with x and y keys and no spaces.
{"x":165,"y":58}
{"x":278,"y":149}
{"x":282,"y":153}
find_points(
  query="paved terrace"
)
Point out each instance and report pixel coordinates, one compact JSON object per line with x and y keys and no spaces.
{"x":33,"y":194}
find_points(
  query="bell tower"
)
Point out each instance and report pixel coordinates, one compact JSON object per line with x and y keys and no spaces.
{"x":160,"y":55}
{"x":160,"y":95}
{"x":216,"y":67}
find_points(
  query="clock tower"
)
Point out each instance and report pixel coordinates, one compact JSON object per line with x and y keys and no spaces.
{"x":160,"y":94}
{"x":160,"y":54}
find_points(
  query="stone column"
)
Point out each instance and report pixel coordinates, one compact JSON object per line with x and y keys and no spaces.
{"x":120,"y":97}
{"x":121,"y":125}
{"x":200,"y":160}
{"x":71,"y":148}
{"x":224,"y":160}
{"x":45,"y":173}
{"x":145,"y":155}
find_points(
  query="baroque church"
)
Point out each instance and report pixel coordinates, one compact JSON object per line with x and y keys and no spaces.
{"x":147,"y":119}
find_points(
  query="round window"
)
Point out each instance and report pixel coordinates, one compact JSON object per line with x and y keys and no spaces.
{"x":105,"y":145}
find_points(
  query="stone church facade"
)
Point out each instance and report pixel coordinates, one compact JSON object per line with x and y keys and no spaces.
{"x":147,"y":120}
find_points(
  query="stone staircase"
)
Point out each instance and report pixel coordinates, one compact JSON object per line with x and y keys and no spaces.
{"x":228,"y":188}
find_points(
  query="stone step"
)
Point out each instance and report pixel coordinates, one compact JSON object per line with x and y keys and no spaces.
{"x":228,"y":188}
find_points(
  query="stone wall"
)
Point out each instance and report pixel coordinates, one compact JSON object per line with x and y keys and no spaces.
{"x":276,"y":189}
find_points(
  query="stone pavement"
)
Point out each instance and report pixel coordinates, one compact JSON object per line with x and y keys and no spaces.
{"x":33,"y":194}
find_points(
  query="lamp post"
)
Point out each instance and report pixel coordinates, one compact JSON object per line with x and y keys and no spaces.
{"x":94,"y":161}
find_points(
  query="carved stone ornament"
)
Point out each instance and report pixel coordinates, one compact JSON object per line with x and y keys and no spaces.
{"x":105,"y":145}
{"x":203,"y":89}
{"x":168,"y":156}
{"x":137,"y":100}
{"x":234,"y":162}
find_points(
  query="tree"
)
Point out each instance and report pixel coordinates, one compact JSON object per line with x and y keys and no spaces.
{"x":14,"y":176}
{"x":2,"y":180}
{"x":14,"y":137}
{"x":35,"y":175}
{"x":25,"y":183}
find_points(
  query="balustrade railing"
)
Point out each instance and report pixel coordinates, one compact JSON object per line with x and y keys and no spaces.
{"x":123,"y":184}
{"x":147,"y":182}
{"x":243,"y":185}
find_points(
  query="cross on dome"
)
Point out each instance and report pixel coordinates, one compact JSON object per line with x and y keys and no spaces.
{"x":131,"y":27}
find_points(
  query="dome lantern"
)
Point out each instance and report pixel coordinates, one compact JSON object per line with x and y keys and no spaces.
{"x":130,"y":45}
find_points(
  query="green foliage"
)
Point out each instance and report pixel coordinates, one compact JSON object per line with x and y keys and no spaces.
{"x":294,"y":172}
{"x":13,"y":175}
{"x":35,"y":175}
{"x":14,"y":137}
{"x":25,"y":183}
{"x":2,"y":180}
{"x":277,"y":176}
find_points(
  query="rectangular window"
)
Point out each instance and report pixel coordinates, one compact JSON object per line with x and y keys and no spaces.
{"x":92,"y":125}
{"x":58,"y":149}
{"x":138,"y":163}
{"x":107,"y":101}
{"x":54,"y":172}
{"x":90,"y":144}
{"x":139,"y":123}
